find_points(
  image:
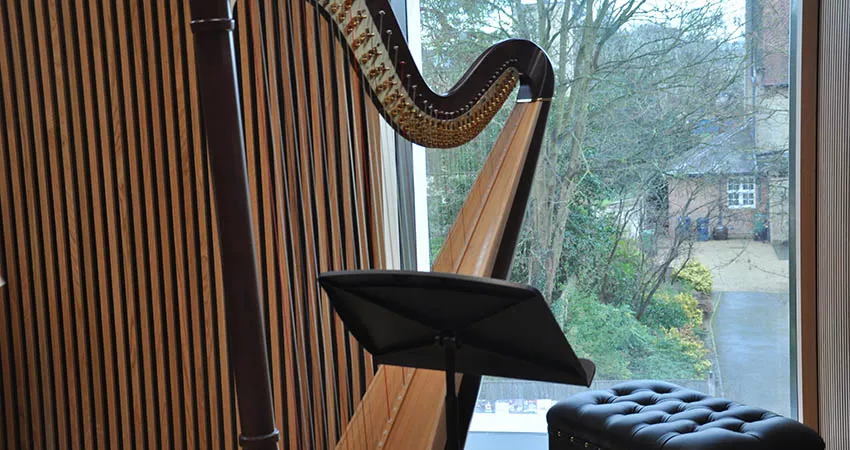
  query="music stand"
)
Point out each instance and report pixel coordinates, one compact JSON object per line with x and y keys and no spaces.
{"x":456,"y":324}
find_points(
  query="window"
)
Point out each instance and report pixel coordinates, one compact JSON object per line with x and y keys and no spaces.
{"x":741,"y":193}
{"x":685,"y":105}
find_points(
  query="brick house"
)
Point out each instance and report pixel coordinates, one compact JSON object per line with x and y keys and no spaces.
{"x":719,"y":182}
{"x":739,"y":177}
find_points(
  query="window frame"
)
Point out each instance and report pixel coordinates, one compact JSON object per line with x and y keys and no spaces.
{"x":803,"y":109}
{"x":740,"y":192}
{"x":805,"y":40}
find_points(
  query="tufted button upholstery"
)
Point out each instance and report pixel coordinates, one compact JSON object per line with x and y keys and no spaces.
{"x":644,"y":415}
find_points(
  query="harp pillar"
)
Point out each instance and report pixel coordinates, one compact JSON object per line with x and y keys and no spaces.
{"x":212,"y":26}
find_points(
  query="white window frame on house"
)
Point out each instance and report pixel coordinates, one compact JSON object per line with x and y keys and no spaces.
{"x":736,"y":186}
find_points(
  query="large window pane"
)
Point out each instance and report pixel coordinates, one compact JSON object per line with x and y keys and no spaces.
{"x":658,"y":225}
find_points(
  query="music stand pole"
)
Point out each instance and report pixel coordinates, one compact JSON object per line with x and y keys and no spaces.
{"x":449,"y":343}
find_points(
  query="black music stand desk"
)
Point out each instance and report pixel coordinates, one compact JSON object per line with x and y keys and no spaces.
{"x":455,"y":323}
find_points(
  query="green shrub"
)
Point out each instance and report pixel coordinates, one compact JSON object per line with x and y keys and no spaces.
{"x":602,"y":333}
{"x":664,"y":312}
{"x":673,"y":310}
{"x":623,"y":347}
{"x":676,"y":353}
{"x":697,"y":276}
{"x":690,"y":306}
{"x":692,"y":348}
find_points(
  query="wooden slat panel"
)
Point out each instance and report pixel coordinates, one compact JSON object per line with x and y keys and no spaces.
{"x":74,"y":315}
{"x":8,"y":215}
{"x":53,"y":233}
{"x":28,"y":250}
{"x":112,"y":323}
{"x":833,"y":214}
{"x":89,"y":172}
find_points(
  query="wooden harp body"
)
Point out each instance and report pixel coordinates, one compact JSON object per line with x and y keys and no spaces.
{"x":329,"y":70}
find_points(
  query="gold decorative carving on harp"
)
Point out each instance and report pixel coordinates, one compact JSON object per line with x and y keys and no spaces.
{"x":310,"y":190}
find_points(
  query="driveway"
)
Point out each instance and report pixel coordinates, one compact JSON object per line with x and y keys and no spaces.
{"x":741,"y":265}
{"x":751,"y":321}
{"x":751,"y":333}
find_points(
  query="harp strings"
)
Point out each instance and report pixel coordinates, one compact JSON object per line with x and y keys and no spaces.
{"x":356,"y":139}
{"x":344,"y":112}
{"x":325,"y":311}
{"x":309,"y":102}
{"x":286,"y":126}
{"x":276,"y":134}
{"x":389,"y":44}
{"x":301,"y":301}
{"x":321,"y":130}
{"x":286,"y":110}
{"x":346,"y":134}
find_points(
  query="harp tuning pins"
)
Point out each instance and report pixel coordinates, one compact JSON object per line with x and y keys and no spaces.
{"x":360,"y":40}
{"x":372,"y":54}
{"x":376,"y":71}
{"x":352,"y":24}
{"x":346,"y":7}
{"x":385,"y":86}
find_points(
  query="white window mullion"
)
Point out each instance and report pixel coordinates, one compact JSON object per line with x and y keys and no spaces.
{"x":741,"y":192}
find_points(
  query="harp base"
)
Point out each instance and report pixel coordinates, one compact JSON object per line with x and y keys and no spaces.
{"x":256,"y":441}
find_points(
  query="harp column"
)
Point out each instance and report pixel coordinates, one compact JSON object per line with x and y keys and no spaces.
{"x":212,"y":26}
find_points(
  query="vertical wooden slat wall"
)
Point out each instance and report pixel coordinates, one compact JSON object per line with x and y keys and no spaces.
{"x":833,"y":229}
{"x":111,"y":325}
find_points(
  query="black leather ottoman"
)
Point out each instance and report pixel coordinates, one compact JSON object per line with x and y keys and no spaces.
{"x":643,"y":415}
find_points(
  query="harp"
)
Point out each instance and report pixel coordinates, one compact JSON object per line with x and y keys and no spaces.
{"x":330,"y":68}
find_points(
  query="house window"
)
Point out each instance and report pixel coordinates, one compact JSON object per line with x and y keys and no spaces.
{"x":741,"y":192}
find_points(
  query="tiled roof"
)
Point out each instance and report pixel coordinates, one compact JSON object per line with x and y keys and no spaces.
{"x":730,"y":152}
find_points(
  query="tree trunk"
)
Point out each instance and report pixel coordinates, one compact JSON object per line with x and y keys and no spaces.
{"x":574,"y":119}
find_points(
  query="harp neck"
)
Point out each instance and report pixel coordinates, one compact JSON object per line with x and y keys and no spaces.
{"x":386,"y":66}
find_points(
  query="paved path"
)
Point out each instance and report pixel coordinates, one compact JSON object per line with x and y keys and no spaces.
{"x":752,"y":337}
